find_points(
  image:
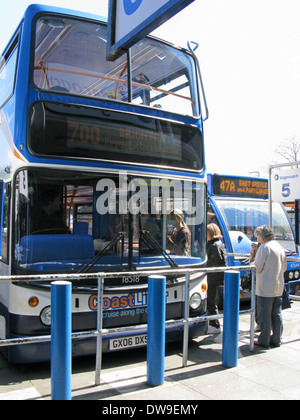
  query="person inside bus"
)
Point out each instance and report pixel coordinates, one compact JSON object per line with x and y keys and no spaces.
{"x":270,"y":263}
{"x":215,"y":258}
{"x":211,"y":217}
{"x":180,"y":239}
{"x":49,"y":219}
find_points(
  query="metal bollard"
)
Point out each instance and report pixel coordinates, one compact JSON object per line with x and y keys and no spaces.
{"x":156,"y":330}
{"x":61,"y":340}
{"x":231,"y":319}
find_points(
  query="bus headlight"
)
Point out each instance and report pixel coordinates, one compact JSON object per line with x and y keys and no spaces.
{"x":291,"y":275}
{"x":45,"y":316}
{"x":296,"y":274}
{"x":195,"y":301}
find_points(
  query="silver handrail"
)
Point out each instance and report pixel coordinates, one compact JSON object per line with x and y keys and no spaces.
{"x":100,"y":331}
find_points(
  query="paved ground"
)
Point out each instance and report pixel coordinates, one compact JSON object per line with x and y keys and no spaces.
{"x":265,"y":374}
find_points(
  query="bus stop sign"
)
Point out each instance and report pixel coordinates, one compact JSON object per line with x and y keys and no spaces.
{"x":131,"y":20}
{"x":286,"y":185}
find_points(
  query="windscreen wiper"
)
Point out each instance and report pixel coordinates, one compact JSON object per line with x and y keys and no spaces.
{"x":147,"y":238}
{"x":289,"y":252}
{"x":105,"y":251}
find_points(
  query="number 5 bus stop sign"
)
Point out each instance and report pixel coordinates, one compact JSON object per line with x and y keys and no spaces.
{"x":131,"y":20}
{"x":286,"y":185}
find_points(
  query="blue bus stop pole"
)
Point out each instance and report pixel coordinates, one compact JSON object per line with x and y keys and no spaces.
{"x":61,"y":340}
{"x":156,"y":330}
{"x":231,"y":319}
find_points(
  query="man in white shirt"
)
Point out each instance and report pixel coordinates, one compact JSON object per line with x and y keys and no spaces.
{"x":270,"y":263}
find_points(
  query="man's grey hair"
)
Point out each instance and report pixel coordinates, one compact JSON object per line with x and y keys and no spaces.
{"x":264,"y":232}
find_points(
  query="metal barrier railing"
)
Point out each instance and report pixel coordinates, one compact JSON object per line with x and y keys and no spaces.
{"x":100,"y":331}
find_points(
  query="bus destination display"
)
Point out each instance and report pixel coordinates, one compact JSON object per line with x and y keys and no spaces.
{"x":85,"y":132}
{"x":240,"y":187}
{"x":118,"y":137}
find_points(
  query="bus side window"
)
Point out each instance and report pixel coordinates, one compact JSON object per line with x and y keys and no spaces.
{"x":7,"y":71}
{"x":5,"y":196}
{"x":297,"y":221}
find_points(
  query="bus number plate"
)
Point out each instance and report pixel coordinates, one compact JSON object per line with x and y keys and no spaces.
{"x":127,"y":342}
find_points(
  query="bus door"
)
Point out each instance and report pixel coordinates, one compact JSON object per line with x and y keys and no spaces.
{"x":5,"y":189}
{"x":297,"y":222}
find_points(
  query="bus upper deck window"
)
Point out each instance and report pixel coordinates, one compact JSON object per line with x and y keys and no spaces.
{"x":7,"y":71}
{"x":70,"y":57}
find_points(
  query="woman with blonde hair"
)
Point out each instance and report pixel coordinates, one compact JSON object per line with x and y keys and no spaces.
{"x":214,"y":231}
{"x":215,"y":258}
{"x":181,"y":236}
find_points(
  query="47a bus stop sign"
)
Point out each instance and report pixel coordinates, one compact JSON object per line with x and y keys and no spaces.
{"x":131,"y":20}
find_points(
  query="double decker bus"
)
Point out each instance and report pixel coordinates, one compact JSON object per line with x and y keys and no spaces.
{"x":240,"y":204}
{"x":102,"y":170}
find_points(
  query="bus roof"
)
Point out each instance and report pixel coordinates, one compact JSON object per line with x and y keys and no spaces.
{"x":34,"y":9}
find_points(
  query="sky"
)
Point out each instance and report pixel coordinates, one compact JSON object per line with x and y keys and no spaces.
{"x":249,"y":56}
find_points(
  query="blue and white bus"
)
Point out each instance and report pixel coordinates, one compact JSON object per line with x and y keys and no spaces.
{"x":240,"y":204}
{"x":98,"y":161}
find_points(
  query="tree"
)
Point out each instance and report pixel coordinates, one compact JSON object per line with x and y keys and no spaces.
{"x":289,"y":150}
